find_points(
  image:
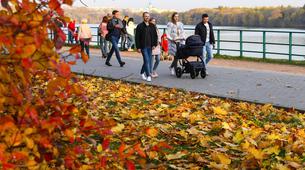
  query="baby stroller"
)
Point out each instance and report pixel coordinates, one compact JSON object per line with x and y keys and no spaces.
{"x":192,"y":47}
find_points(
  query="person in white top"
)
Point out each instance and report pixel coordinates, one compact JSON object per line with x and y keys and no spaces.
{"x":175,"y":36}
{"x":130,"y":33}
{"x":84,"y":35}
{"x":205,"y":30}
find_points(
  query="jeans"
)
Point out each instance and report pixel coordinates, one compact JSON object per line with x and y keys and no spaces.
{"x":123,"y":41}
{"x":114,"y":41}
{"x":70,"y":37}
{"x":146,"y":53}
{"x":131,"y":41}
{"x":157,"y":61}
{"x":104,"y":46}
{"x":84,"y":46}
{"x":208,"y":51}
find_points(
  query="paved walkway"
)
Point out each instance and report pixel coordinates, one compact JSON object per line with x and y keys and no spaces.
{"x":280,"y":89}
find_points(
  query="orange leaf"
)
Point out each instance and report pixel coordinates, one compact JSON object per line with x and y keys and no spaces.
{"x":140,"y":151}
{"x":75,"y":49}
{"x":64,"y":69}
{"x":68,"y":2}
{"x":85,"y":57}
{"x":54,"y":4}
{"x":121,"y":150}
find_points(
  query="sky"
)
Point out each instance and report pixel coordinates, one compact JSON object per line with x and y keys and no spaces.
{"x":183,"y":5}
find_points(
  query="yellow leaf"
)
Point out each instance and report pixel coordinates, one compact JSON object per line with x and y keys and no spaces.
{"x":216,"y":166}
{"x":225,"y":125}
{"x":29,"y":143}
{"x":220,"y":111}
{"x":223,"y":159}
{"x":272,"y":150}
{"x":245,"y":145}
{"x":85,"y":167}
{"x":185,"y":114}
{"x":273,"y":136}
{"x":99,"y":148}
{"x":238,"y":137}
{"x":178,"y":155}
{"x":258,"y":154}
{"x":282,"y":167}
{"x":28,"y":131}
{"x":118,"y":128}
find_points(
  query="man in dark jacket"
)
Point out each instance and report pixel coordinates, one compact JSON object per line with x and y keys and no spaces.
{"x":205,"y":30}
{"x":114,"y":27}
{"x":146,"y":41}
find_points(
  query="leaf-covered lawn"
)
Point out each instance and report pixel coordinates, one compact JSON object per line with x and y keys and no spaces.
{"x":166,"y":128}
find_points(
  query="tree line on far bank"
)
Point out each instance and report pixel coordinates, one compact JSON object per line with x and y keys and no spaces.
{"x":283,"y":17}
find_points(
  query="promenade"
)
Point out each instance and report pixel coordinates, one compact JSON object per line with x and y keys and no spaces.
{"x":270,"y":85}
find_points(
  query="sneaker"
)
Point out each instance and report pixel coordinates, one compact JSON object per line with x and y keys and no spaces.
{"x":206,"y":72}
{"x":156,"y":74}
{"x":130,"y":50}
{"x":172,"y":70}
{"x":148,"y":79}
{"x":143,"y":77}
{"x":108,"y":64}
{"x":122,"y":64}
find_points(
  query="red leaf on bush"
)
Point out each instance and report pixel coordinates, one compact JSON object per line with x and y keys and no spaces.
{"x":130,"y":165}
{"x":26,"y":63}
{"x":64,"y":69}
{"x":32,"y":113}
{"x":69,"y":162}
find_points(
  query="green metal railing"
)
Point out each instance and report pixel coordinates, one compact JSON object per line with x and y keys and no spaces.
{"x":263,"y":50}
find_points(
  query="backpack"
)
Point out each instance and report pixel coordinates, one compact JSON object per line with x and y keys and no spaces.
{"x":194,"y":40}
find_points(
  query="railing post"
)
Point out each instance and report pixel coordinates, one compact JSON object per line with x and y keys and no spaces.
{"x":218,"y":42}
{"x":290,"y":46}
{"x":264,"y":44}
{"x":241,"y":43}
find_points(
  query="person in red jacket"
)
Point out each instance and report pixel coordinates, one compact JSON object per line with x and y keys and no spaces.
{"x":164,"y":45}
{"x":71,"y":30}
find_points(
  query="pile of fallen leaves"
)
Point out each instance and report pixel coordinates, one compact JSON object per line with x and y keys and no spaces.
{"x":166,"y":128}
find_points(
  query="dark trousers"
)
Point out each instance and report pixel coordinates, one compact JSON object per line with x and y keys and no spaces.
{"x":115,"y":48}
{"x":147,"y":55}
{"x":85,"y":46}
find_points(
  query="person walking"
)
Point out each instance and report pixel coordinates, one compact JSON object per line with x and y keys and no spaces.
{"x":130,"y":34}
{"x":205,"y":30}
{"x":84,"y":36}
{"x":114,"y":27}
{"x":156,"y":53}
{"x":102,"y":33}
{"x":146,"y":41}
{"x":71,"y":30}
{"x":176,"y":37}
{"x":124,"y":34}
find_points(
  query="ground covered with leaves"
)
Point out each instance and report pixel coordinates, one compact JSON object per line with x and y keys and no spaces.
{"x":158,"y":128}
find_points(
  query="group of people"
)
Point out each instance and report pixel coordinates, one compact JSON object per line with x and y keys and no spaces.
{"x":145,"y":37}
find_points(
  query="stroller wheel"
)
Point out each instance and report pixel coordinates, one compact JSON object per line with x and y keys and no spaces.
{"x":193,"y":73}
{"x":178,"y":72}
{"x":203,"y":73}
{"x":197,"y":73}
